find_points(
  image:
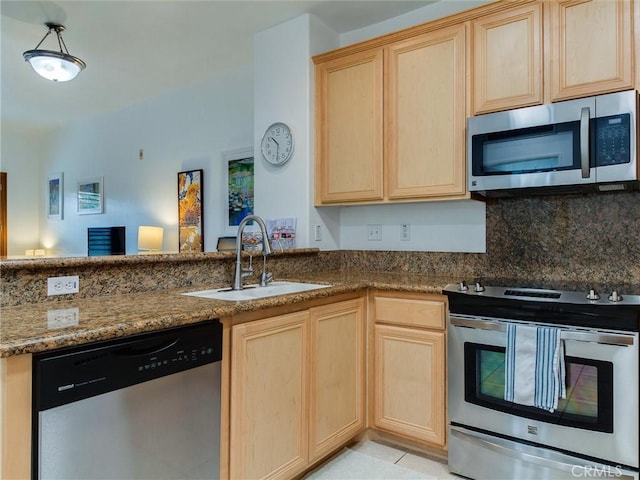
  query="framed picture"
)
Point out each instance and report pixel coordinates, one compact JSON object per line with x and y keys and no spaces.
{"x":55,"y":194}
{"x":90,"y":196}
{"x":190,"y":211}
{"x":239,"y":178}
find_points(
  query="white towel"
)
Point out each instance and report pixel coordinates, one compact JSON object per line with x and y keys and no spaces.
{"x":534,"y":366}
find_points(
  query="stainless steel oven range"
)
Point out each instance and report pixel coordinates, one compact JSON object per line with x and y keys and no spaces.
{"x":593,"y":432}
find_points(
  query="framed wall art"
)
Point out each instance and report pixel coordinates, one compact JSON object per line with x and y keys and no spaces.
{"x":239,"y":181}
{"x":190,"y":211}
{"x":90,"y":196}
{"x":55,"y":196}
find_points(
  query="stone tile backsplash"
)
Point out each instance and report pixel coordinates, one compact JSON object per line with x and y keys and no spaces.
{"x":588,"y":238}
{"x":574,"y":241}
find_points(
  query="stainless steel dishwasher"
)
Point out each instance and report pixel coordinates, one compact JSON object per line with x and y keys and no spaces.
{"x":140,"y":407}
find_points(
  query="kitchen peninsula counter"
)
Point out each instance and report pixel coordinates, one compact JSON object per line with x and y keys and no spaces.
{"x":34,"y":328}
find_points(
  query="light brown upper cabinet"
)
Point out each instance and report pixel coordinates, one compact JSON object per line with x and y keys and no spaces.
{"x":591,"y":49}
{"x":390,"y":121}
{"x":425,"y":115}
{"x":349,"y":128}
{"x":507,"y":59}
{"x":390,"y":112}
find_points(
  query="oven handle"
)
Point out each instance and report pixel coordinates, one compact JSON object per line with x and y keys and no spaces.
{"x":594,"y":337}
{"x":519,"y":455}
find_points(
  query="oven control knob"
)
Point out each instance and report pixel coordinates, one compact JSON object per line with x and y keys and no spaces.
{"x":615,"y":297}
{"x":478,"y":288}
{"x":462,"y":286}
{"x":592,"y":295}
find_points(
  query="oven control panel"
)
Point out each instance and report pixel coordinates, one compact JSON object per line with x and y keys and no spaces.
{"x":537,"y":294}
{"x":587,"y":310}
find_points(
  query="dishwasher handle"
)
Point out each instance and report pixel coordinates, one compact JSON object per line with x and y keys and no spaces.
{"x":146,"y":349}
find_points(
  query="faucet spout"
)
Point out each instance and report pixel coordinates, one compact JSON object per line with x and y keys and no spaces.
{"x":266,"y":247}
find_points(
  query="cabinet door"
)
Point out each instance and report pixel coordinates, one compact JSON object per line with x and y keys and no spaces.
{"x":591,"y":47}
{"x":349,"y":128}
{"x":268,"y":437}
{"x":337,"y":394}
{"x":507,"y":59}
{"x":425,"y":115}
{"x":409,"y":378}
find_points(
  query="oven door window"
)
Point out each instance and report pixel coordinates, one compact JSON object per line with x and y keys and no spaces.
{"x":589,"y":402}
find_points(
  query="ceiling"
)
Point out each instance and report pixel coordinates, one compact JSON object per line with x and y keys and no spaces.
{"x":135,"y":50}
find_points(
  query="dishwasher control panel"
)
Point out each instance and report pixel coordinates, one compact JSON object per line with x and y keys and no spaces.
{"x":72,"y":374}
{"x":180,"y":357}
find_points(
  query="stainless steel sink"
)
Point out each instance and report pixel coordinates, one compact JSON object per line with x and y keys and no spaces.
{"x":254,"y":292}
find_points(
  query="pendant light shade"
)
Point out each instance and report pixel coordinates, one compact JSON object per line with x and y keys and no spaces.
{"x":52,"y":65}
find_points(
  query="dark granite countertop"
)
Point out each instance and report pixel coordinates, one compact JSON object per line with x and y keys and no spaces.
{"x":31,"y":329}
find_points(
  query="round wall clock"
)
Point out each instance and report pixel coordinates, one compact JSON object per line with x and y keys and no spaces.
{"x":277,"y":144}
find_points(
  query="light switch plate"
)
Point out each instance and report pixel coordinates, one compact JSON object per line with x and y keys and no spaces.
{"x":374,"y":233}
{"x":405,"y":232}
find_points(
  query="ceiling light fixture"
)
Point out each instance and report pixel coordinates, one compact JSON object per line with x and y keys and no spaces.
{"x":57,"y":66}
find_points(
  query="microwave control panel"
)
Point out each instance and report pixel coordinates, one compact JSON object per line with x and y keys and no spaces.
{"x":612,"y":140}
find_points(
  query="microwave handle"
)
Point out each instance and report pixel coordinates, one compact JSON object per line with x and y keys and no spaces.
{"x":584,"y":141}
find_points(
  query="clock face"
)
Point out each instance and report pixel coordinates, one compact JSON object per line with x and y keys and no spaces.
{"x":277,"y":144}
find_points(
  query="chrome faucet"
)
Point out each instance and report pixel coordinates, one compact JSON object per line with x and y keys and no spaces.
{"x":240,"y":273}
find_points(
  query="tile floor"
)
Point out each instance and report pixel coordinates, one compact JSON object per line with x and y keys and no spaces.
{"x":388,"y":463}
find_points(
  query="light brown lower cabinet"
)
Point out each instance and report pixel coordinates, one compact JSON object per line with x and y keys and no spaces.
{"x":297,"y":389}
{"x":337,"y":378}
{"x":409,"y":391}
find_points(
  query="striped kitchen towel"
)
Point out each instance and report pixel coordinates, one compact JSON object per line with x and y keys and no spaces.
{"x":534,"y":366}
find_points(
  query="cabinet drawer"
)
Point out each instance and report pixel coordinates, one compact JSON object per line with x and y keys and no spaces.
{"x":409,"y":311}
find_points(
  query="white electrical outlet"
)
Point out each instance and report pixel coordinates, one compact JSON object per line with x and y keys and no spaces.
{"x":405,"y":232}
{"x":374,"y":233}
{"x":63,"y":285}
{"x":63,"y":318}
{"x":318,"y":233}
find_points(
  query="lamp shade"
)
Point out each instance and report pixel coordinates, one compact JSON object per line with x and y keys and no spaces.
{"x":150,"y":238}
{"x":55,"y":66}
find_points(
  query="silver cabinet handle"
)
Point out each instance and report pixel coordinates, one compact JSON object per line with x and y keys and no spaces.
{"x":566,"y":334}
{"x":584,"y":141}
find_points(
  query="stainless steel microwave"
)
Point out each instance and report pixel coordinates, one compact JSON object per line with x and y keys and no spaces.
{"x":589,"y":144}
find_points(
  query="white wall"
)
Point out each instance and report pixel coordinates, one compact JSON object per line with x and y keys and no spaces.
{"x":451,"y":226}
{"x":22,"y":154}
{"x":434,"y":226}
{"x":182,"y":130}
{"x":281,"y":95}
{"x":192,"y":127}
{"x":432,"y":11}
{"x":283,"y":92}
